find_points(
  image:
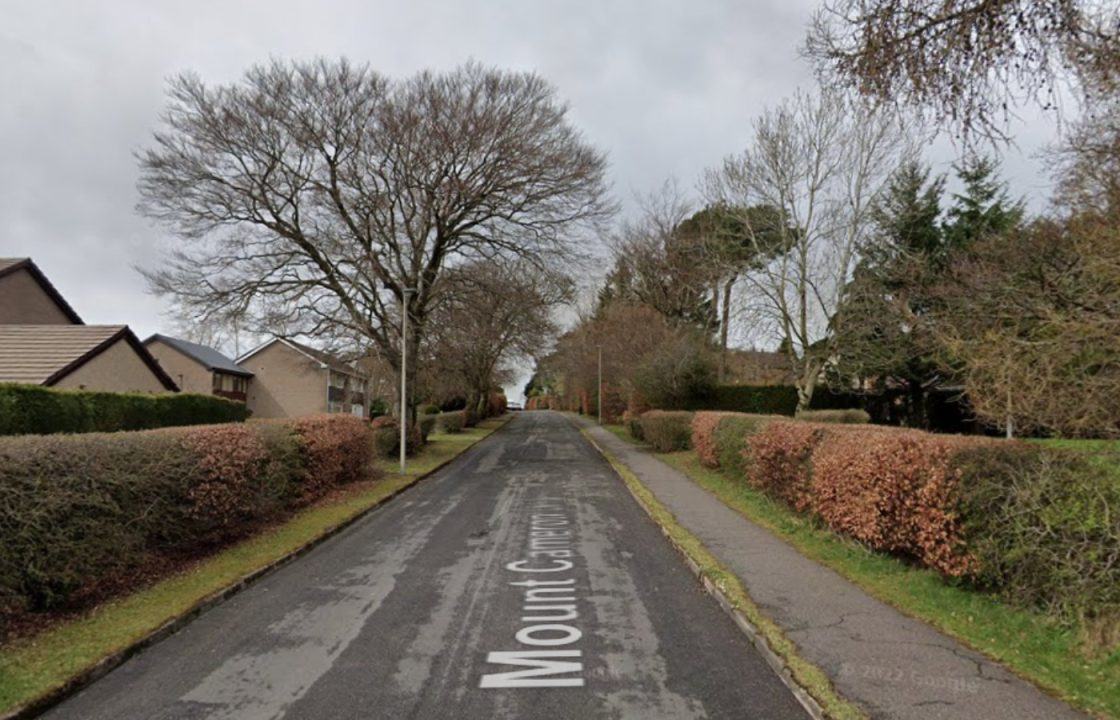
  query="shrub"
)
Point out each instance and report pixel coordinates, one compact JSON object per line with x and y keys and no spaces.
{"x":850,"y":416}
{"x":779,"y":457}
{"x":754,"y":399}
{"x":614,"y":404}
{"x":75,"y":509}
{"x":633,"y":423}
{"x":667,"y":431}
{"x":1043,"y":526}
{"x":895,"y":492}
{"x":451,"y":422}
{"x":730,"y":438}
{"x":679,"y":374}
{"x":31,"y":409}
{"x":387,"y":437}
{"x":428,"y":409}
{"x":223,"y":493}
{"x":427,"y":424}
{"x":337,"y":449}
{"x":495,"y":404}
{"x":704,"y":426}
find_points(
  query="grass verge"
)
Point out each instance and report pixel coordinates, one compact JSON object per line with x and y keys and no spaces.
{"x":34,"y":667}
{"x":1034,"y":646}
{"x":807,"y":675}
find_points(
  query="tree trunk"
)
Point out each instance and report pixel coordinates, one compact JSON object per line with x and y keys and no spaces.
{"x":807,"y":384}
{"x":724,"y":321}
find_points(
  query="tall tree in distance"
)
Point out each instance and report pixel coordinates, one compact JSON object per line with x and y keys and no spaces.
{"x":322,"y":196}
{"x":486,"y":318}
{"x":822,"y":161}
{"x":882,"y":326}
{"x":655,"y":264}
{"x":733,"y":241}
{"x":983,"y":207}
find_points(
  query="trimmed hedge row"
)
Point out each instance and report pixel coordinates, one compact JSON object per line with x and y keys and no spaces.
{"x":31,"y":409}
{"x":850,"y":416}
{"x":76,"y":509}
{"x":666,"y":430}
{"x":1037,"y":525}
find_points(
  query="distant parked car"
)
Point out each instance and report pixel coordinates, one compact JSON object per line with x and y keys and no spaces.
{"x":514,"y":406}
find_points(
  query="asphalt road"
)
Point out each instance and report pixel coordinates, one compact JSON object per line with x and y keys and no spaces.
{"x":523,"y":581}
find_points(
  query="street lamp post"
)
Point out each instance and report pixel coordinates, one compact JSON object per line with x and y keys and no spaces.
{"x":600,"y":384}
{"x":405,"y":292}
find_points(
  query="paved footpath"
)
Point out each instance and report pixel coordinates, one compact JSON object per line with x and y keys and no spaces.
{"x":890,"y":664}
{"x":522,"y":581}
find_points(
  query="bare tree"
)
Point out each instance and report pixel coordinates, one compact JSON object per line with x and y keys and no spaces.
{"x":320,"y":196}
{"x":966,"y":63}
{"x":487,"y":318}
{"x":821,"y":161}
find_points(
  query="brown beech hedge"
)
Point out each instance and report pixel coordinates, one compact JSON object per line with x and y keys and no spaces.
{"x":76,"y":509}
{"x":1038,"y":525}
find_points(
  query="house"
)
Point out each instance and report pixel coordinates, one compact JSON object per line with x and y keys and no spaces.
{"x":28,"y":298}
{"x":200,"y":369}
{"x":292,"y":379}
{"x":44,"y":342}
{"x":84,"y":357}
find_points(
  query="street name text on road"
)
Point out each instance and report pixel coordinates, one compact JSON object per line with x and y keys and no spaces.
{"x":549,"y":606}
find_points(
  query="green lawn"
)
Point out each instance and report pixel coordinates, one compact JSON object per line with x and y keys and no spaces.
{"x":32,"y":667}
{"x":1031,"y":644}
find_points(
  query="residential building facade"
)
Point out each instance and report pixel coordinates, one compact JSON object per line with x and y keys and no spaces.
{"x":43,"y":341}
{"x":292,"y":379}
{"x":82,"y":357}
{"x":200,"y":369}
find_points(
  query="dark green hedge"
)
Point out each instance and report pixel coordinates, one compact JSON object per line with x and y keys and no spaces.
{"x":31,"y":409}
{"x":771,"y":400}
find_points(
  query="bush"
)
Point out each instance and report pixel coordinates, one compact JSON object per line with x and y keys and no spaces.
{"x":387,"y":437}
{"x":754,"y":399}
{"x":895,"y":492}
{"x":337,"y":450}
{"x":851,"y":416}
{"x":428,"y":410}
{"x":31,"y":409}
{"x":633,"y":423}
{"x":427,"y":424}
{"x":779,"y":457}
{"x":667,"y":431}
{"x":496,"y":404}
{"x":703,"y":439}
{"x":732,"y":452}
{"x":452,"y":422}
{"x":1043,"y":526}
{"x":76,"y":509}
{"x":678,"y":375}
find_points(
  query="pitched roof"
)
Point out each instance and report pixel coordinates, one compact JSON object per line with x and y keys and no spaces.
{"x":13,"y":265}
{"x":44,"y":354}
{"x":319,"y":356}
{"x":210,"y":358}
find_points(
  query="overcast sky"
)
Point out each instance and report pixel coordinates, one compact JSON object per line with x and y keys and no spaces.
{"x":664,"y":87}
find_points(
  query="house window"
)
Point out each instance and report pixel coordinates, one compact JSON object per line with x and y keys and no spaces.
{"x":217,"y":386}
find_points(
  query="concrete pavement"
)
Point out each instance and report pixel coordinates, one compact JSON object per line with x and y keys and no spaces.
{"x":892,"y":665}
{"x":522,"y":581}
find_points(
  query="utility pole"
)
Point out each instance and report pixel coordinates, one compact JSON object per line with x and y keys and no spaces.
{"x":600,"y":384}
{"x":405,"y":292}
